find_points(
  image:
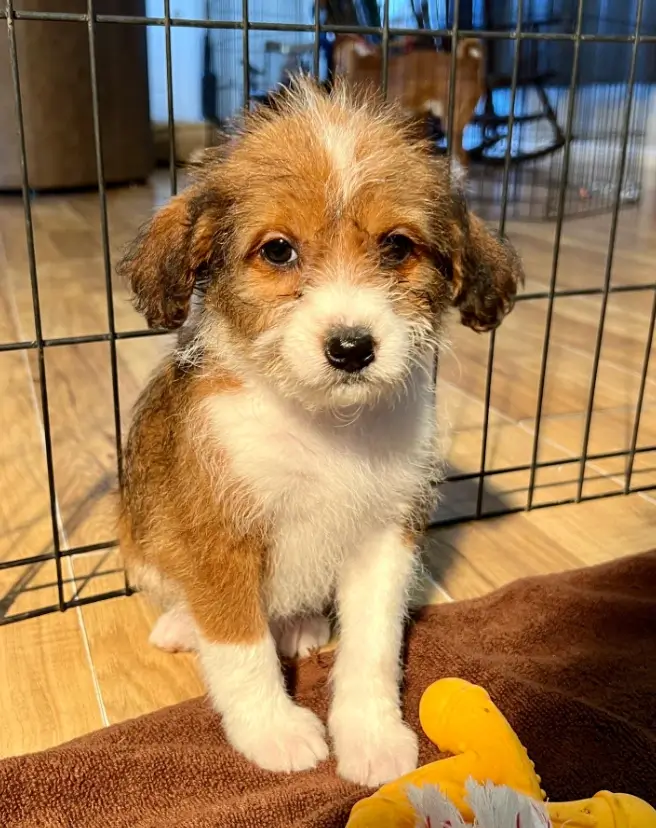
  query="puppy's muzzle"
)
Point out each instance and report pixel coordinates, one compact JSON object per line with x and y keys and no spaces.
{"x":350,"y":349}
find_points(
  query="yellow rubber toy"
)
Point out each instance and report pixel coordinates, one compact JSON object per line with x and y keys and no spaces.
{"x":461,"y":719}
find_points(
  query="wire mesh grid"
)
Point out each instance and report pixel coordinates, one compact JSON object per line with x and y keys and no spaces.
{"x":622,"y":167}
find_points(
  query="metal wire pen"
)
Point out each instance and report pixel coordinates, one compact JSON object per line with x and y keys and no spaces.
{"x":173,"y":173}
{"x":574,"y":110}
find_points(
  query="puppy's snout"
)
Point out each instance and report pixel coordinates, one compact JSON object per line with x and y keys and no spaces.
{"x":350,"y":349}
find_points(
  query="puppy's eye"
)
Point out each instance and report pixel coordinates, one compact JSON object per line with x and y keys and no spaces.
{"x":396,"y":248}
{"x":278,"y":252}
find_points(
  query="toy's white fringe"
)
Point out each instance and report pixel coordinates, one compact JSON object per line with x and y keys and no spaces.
{"x":494,"y":806}
{"x":433,"y":809}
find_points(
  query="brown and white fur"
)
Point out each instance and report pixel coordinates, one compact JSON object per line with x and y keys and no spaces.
{"x":261,"y":482}
{"x":419,"y":79}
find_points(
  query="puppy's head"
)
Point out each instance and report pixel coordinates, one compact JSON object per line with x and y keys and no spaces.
{"x":326,"y":243}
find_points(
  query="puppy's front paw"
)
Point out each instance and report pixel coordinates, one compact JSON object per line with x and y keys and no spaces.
{"x":373,"y":749}
{"x":292,"y":740}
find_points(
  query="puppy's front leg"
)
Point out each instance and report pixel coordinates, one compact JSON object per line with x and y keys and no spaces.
{"x":372,"y":743}
{"x":246,"y":686}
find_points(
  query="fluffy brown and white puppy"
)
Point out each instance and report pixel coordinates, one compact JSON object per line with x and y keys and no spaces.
{"x":280,"y":459}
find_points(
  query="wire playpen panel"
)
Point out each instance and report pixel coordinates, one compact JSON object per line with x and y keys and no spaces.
{"x":549,"y":141}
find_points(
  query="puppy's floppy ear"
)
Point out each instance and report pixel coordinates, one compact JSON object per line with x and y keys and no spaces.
{"x":486,"y":272}
{"x":164,"y":262}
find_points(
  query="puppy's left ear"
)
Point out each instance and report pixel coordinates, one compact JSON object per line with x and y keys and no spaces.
{"x":486,"y":272}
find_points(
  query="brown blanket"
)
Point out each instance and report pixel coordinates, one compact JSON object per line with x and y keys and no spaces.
{"x":570,"y":659}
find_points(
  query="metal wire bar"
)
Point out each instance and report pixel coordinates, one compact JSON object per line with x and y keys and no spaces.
{"x":83,"y":339}
{"x":31,"y":344}
{"x":236,"y":25}
{"x":104,"y":234}
{"x":611,"y":250}
{"x":485,"y":427}
{"x":70,"y":604}
{"x":545,"y":464}
{"x":93,"y":599}
{"x":502,"y":228}
{"x":641,"y":396}
{"x":65,"y":553}
{"x":555,"y":256}
{"x":513,"y":510}
{"x":316,"y":53}
{"x":36,"y":302}
{"x":453,"y":63}
{"x":385,"y":48}
{"x":245,"y":55}
{"x":511,"y":121}
{"x":34,"y":613}
{"x":99,"y":546}
{"x":546,"y":294}
{"x":173,"y":172}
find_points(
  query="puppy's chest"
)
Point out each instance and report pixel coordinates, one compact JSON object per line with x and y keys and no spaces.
{"x":296,"y":464}
{"x":321,"y":487}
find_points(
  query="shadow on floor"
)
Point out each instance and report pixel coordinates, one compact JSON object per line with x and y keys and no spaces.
{"x":455,"y":501}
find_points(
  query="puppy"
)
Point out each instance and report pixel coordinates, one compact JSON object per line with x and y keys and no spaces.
{"x":280,"y":460}
{"x":419,"y":79}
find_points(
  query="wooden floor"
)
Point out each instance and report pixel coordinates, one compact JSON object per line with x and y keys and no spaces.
{"x":66,"y":674}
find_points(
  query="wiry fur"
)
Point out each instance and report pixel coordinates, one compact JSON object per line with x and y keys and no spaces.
{"x":261,"y":483}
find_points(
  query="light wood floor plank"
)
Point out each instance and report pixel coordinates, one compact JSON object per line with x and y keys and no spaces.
{"x":47,"y":694}
{"x":610,"y":431}
{"x":134,"y":678}
{"x":25,"y":522}
{"x":600,"y":530}
{"x":471,"y":559}
{"x":511,"y":445}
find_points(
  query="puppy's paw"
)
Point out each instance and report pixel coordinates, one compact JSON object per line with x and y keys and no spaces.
{"x":373,"y":749}
{"x":174,"y":632}
{"x":297,"y":637}
{"x":290,"y":741}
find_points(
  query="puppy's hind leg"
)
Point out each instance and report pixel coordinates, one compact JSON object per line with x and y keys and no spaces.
{"x":372,"y":743}
{"x":299,"y":636}
{"x":175,"y":631}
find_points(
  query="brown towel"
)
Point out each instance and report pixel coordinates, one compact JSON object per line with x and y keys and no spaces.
{"x":570,"y":659}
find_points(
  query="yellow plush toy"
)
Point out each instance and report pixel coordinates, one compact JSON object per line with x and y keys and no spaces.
{"x":461,"y":720}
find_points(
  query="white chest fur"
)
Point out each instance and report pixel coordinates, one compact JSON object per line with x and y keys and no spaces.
{"x":321,"y":482}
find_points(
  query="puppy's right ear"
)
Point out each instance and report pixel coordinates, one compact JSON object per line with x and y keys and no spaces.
{"x":486,"y":271}
{"x":162,"y":264}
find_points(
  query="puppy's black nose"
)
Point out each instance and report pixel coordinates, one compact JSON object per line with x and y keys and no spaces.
{"x":350,"y":349}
